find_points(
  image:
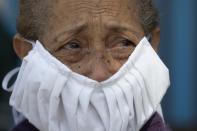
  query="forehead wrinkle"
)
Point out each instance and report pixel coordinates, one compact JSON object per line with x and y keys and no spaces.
{"x":73,"y":28}
{"x":104,"y":7}
{"x":80,"y":27}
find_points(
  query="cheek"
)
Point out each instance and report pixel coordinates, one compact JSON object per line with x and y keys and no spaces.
{"x":113,"y":65}
{"x":76,"y":61}
{"x":80,"y":67}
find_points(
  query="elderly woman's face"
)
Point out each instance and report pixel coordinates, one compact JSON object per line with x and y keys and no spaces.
{"x":93,"y":37}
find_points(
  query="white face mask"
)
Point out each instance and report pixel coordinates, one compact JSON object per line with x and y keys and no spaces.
{"x":54,"y":98}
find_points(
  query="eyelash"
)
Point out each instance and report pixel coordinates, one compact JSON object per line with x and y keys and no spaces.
{"x":121,"y":41}
{"x":71,"y":43}
{"x":75,"y":44}
{"x":128,"y":42}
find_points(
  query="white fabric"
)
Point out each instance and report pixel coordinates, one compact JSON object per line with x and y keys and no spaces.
{"x":17,"y":117}
{"x":54,"y":98}
{"x":7,"y":78}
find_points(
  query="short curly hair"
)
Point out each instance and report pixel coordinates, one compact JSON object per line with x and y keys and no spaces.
{"x":33,"y":15}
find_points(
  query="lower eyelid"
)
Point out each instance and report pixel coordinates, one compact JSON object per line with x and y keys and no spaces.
{"x":69,"y":57}
{"x":122,"y":51}
{"x":121,"y":54}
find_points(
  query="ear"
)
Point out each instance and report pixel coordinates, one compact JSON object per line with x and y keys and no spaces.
{"x":155,"y":38}
{"x":21,"y":47}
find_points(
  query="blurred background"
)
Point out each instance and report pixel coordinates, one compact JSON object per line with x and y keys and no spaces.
{"x":177,"y":49}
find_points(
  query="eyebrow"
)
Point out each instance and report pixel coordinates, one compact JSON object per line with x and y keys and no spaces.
{"x":71,"y":31}
{"x":116,"y":27}
{"x":77,"y":29}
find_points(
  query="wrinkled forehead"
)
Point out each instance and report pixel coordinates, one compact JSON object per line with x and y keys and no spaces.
{"x":93,"y":15}
{"x":78,"y":8}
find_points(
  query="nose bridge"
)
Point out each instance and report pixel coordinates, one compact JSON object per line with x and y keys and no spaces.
{"x":103,"y":65}
{"x":99,"y":69}
{"x":99,"y":57}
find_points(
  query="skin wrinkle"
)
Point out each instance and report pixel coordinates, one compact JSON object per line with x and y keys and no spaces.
{"x":98,"y":51}
{"x":92,"y":37}
{"x":33,"y":29}
{"x":94,"y":8}
{"x":95,"y":24}
{"x":118,"y":27}
{"x":101,"y":54}
{"x":91,"y":21}
{"x":90,"y":4}
{"x":59,"y":38}
{"x":114,"y":27}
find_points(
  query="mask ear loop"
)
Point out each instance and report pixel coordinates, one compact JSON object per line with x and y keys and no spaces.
{"x":10,"y":74}
{"x":7,"y":78}
{"x":18,"y":117}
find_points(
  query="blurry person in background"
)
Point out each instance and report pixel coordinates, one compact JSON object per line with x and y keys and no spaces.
{"x":88,"y":65}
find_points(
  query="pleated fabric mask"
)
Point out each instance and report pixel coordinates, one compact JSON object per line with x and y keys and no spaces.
{"x":54,"y":98}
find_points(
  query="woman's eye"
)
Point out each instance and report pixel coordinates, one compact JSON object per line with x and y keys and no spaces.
{"x":126,"y":43}
{"x":122,"y":48}
{"x":72,"y":45}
